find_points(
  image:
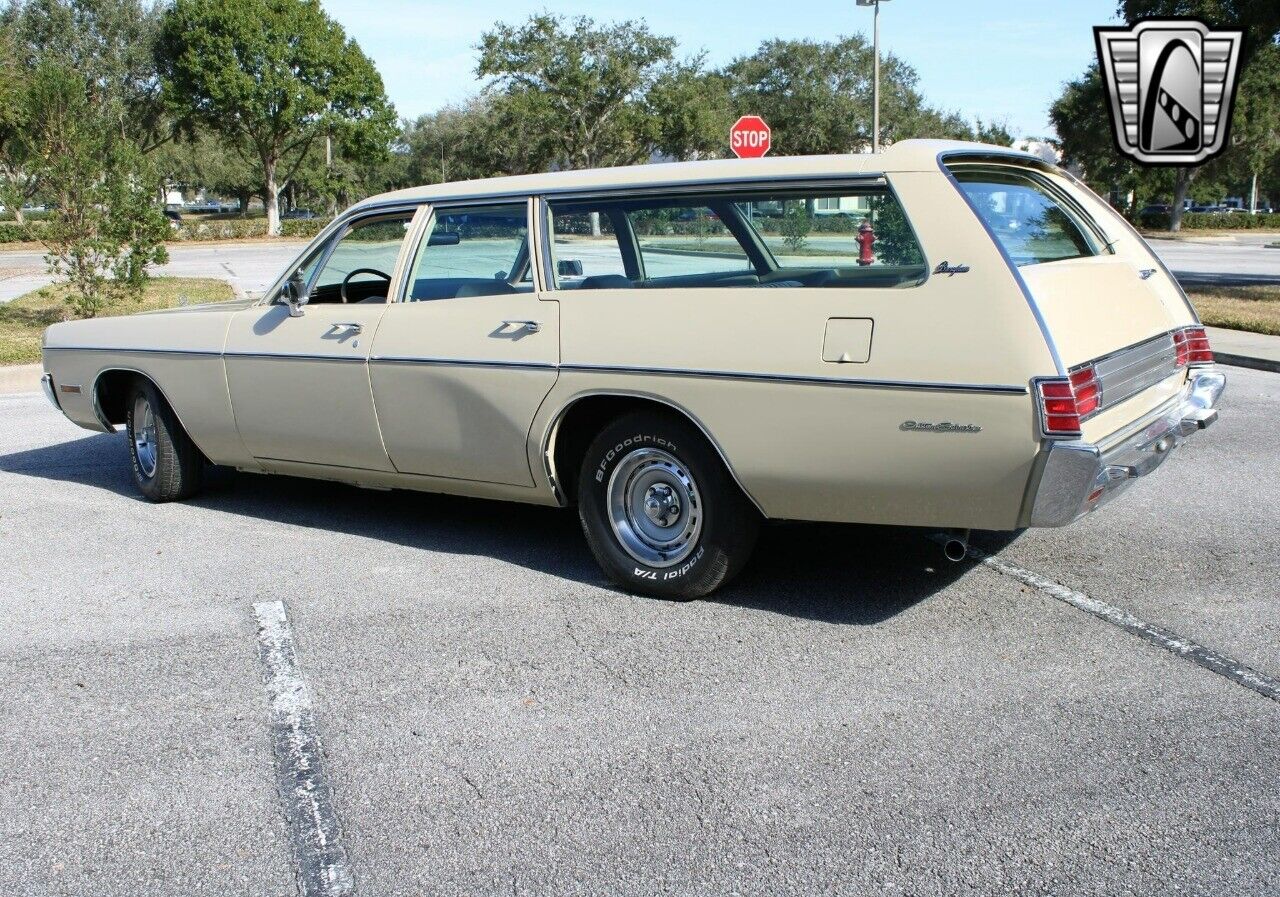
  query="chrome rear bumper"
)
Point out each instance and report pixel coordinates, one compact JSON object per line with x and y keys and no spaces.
{"x":1078,"y":477}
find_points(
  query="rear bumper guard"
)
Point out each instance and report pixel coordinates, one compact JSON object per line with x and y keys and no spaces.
{"x":1079,"y":477}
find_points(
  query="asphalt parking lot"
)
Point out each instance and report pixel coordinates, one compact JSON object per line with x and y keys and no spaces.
{"x":854,"y":715}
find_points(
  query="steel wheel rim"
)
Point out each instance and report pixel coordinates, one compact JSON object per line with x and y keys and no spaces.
{"x":654,"y":507}
{"x":144,"y":436}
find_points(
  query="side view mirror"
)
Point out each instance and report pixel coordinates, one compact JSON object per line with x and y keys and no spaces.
{"x":569,"y":267}
{"x":294,"y":294}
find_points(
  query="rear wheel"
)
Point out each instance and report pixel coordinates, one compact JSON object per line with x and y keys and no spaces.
{"x":166,"y":464}
{"x":661,"y":513}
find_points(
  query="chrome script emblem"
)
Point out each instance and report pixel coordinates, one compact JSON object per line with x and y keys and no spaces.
{"x":1171,"y":83}
{"x":944,"y":427}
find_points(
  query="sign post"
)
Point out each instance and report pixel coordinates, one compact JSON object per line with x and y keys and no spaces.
{"x":750,"y":137}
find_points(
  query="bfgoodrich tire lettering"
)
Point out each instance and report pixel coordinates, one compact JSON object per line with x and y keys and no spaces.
{"x":166,"y":464}
{"x":661,"y":513}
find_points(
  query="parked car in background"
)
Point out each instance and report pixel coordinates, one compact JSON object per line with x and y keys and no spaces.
{"x":996,"y":349}
{"x":174,"y":217}
{"x":299,"y":214}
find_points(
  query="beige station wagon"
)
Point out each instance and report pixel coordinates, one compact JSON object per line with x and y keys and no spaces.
{"x":942,"y":335}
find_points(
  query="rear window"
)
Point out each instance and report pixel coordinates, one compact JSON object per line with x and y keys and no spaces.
{"x":1028,"y":219}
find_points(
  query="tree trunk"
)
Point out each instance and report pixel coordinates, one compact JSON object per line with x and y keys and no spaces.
{"x":1253,"y":195}
{"x":595,"y":224}
{"x":271,"y":198}
{"x":1181,"y":185}
{"x":244,"y":195}
{"x":17,"y":215}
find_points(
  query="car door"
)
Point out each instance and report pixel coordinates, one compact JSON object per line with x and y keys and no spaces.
{"x":469,"y":350}
{"x":299,"y":384}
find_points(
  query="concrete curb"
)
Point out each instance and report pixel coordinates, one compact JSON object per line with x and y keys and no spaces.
{"x":1244,"y":361}
{"x":20,"y":378}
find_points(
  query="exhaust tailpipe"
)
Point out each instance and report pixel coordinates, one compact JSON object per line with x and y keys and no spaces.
{"x":956,"y":545}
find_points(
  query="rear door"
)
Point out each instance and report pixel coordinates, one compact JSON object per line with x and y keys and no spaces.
{"x":467,"y":353}
{"x":1101,"y":293}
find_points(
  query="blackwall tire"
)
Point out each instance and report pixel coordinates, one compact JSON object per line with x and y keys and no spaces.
{"x":166,"y":464}
{"x":660,"y":511}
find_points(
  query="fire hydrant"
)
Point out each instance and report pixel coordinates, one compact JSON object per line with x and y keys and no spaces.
{"x":866,"y":239}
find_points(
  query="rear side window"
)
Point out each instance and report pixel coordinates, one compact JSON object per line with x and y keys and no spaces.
{"x":687,"y":240}
{"x":1028,"y":219}
{"x":737,"y":239}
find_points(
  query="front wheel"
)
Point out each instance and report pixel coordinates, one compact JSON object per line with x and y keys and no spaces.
{"x":167,"y":466}
{"x":661,"y":513}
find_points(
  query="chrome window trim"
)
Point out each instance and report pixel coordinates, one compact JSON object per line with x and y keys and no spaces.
{"x":852,"y":182}
{"x":1050,"y":344}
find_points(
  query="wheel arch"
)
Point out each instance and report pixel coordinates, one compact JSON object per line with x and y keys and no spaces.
{"x":110,"y":396}
{"x":581,"y":417}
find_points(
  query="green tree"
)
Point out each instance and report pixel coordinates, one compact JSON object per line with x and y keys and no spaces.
{"x":817,"y":97}
{"x":1256,"y":128}
{"x":111,"y":44}
{"x":106,"y":229}
{"x":203,"y":160}
{"x":1260,"y":19}
{"x":275,"y":76}
{"x":694,"y":111}
{"x":583,"y":83}
{"x":795,"y":224}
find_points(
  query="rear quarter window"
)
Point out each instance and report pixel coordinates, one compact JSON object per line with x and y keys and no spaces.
{"x":1028,"y":219}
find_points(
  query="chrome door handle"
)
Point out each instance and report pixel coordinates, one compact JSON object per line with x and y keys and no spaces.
{"x":353,"y":326}
{"x":527,"y":326}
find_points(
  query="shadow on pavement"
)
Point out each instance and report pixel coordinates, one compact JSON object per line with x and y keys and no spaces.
{"x":833,"y":573}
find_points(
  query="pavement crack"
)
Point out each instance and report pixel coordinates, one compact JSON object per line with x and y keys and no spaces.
{"x":592,"y":655}
{"x":462,"y":774}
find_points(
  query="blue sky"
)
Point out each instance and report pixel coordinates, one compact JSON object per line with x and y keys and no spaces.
{"x":998,"y":59}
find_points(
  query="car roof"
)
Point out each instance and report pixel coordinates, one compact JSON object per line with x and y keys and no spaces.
{"x":908,"y":155}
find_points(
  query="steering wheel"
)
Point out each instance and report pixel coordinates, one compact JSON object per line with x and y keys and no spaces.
{"x":351,"y":274}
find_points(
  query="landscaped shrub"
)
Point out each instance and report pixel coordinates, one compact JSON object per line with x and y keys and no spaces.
{"x":196,"y":230}
{"x":1210,"y":221}
{"x":303,"y":228}
{"x":27,"y":232}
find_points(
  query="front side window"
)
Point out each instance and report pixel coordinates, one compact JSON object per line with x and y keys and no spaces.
{"x":472,"y":251}
{"x":360,"y":265}
{"x":1031,"y":223}
{"x":857,"y":237}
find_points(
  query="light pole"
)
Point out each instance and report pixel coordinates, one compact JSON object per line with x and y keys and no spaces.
{"x":875,"y":73}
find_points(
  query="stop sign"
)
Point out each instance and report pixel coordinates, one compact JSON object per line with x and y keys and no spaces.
{"x":750,"y":137}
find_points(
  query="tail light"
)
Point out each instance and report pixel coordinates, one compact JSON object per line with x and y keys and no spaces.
{"x":1064,"y":403}
{"x":1192,"y":346}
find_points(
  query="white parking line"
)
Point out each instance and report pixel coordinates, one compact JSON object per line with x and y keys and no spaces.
{"x":308,"y":801}
{"x":1156,"y":635}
